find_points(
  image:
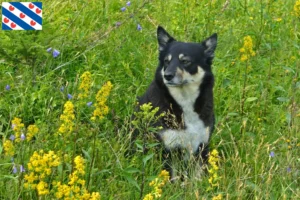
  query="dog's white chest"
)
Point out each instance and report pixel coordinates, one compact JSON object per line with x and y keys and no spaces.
{"x":195,"y":132}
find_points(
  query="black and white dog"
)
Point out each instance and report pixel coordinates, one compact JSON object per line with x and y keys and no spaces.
{"x":183,"y":88}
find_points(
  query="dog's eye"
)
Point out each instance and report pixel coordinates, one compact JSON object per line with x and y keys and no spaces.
{"x":186,"y":62}
{"x":166,"y":60}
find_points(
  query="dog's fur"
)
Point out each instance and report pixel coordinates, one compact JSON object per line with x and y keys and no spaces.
{"x":183,"y":88}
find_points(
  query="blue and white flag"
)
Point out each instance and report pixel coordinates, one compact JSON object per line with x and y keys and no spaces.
{"x":22,"y":16}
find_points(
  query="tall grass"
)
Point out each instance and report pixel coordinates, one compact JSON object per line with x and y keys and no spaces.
{"x":257,"y":103}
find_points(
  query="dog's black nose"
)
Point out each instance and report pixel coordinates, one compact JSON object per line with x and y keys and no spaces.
{"x":169,"y":77}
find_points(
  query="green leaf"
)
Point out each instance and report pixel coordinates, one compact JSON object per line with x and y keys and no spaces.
{"x":132,"y":170}
{"x":288,"y":118}
{"x":87,"y":155}
{"x":148,"y":157}
{"x":233,"y":114}
{"x":289,"y":69}
{"x":283,"y":99}
{"x":11,"y":177}
{"x":279,"y":88}
{"x":298,"y":84}
{"x":250,"y":99}
{"x":153,"y":145}
{"x":139,"y":146}
{"x":132,"y":181}
{"x":60,"y":169}
{"x":252,"y":186}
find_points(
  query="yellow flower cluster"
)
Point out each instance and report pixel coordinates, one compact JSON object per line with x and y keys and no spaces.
{"x":67,"y":118}
{"x":40,"y":166}
{"x":32,"y":130}
{"x":75,"y":189}
{"x":148,"y":197}
{"x":79,"y":164}
{"x":85,"y":84}
{"x":157,"y":184}
{"x":9,"y":148}
{"x":213,"y":171}
{"x":247,"y":49}
{"x":42,"y":188}
{"x":146,"y":114}
{"x":218,"y":197}
{"x":17,"y":127}
{"x":297,"y":8}
{"x":101,"y":97}
{"x":279,"y":19}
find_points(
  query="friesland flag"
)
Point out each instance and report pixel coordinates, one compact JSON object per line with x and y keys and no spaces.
{"x":22,"y":16}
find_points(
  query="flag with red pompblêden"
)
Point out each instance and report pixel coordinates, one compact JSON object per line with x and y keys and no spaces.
{"x":22,"y":16}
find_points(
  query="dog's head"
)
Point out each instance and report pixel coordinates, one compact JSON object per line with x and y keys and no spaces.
{"x":184,"y":63}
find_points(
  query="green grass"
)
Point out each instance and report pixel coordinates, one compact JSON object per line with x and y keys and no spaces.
{"x":88,"y":40}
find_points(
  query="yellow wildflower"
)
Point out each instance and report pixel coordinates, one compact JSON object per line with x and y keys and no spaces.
{"x":42,"y":189}
{"x":297,"y":8}
{"x":29,"y":181}
{"x":148,"y":197}
{"x":244,"y":57}
{"x":31,"y":131}
{"x":67,"y":119}
{"x":31,"y":177}
{"x":9,"y":148}
{"x":247,"y":49}
{"x":157,"y":184}
{"x":73,"y":178}
{"x":147,"y":113}
{"x":279,"y":19}
{"x":95,"y":196}
{"x":17,"y":127}
{"x":218,"y":197}
{"x":62,"y":190}
{"x":40,"y":166}
{"x":85,"y":195}
{"x":213,"y":160}
{"x":101,"y":97}
{"x":85,"y":84}
{"x":79,"y":164}
{"x":75,"y":189}
{"x":165,"y":175}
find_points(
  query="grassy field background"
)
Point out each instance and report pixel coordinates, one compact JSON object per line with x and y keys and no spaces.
{"x":257,"y":101}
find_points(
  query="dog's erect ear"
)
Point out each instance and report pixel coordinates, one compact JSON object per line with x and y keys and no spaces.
{"x":163,"y":38}
{"x":210,"y":45}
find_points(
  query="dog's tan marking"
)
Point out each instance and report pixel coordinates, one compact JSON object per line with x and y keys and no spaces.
{"x":179,"y":74}
{"x":181,"y":56}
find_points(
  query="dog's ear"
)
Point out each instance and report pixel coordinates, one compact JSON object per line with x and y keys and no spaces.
{"x":163,"y":38}
{"x":210,"y":45}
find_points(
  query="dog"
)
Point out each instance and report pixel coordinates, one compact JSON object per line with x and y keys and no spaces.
{"x":183,"y":88}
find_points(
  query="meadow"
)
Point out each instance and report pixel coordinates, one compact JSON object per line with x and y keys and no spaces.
{"x":67,"y":94}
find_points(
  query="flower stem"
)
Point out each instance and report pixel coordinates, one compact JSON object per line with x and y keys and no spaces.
{"x":143,"y":167}
{"x":92,"y":161}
